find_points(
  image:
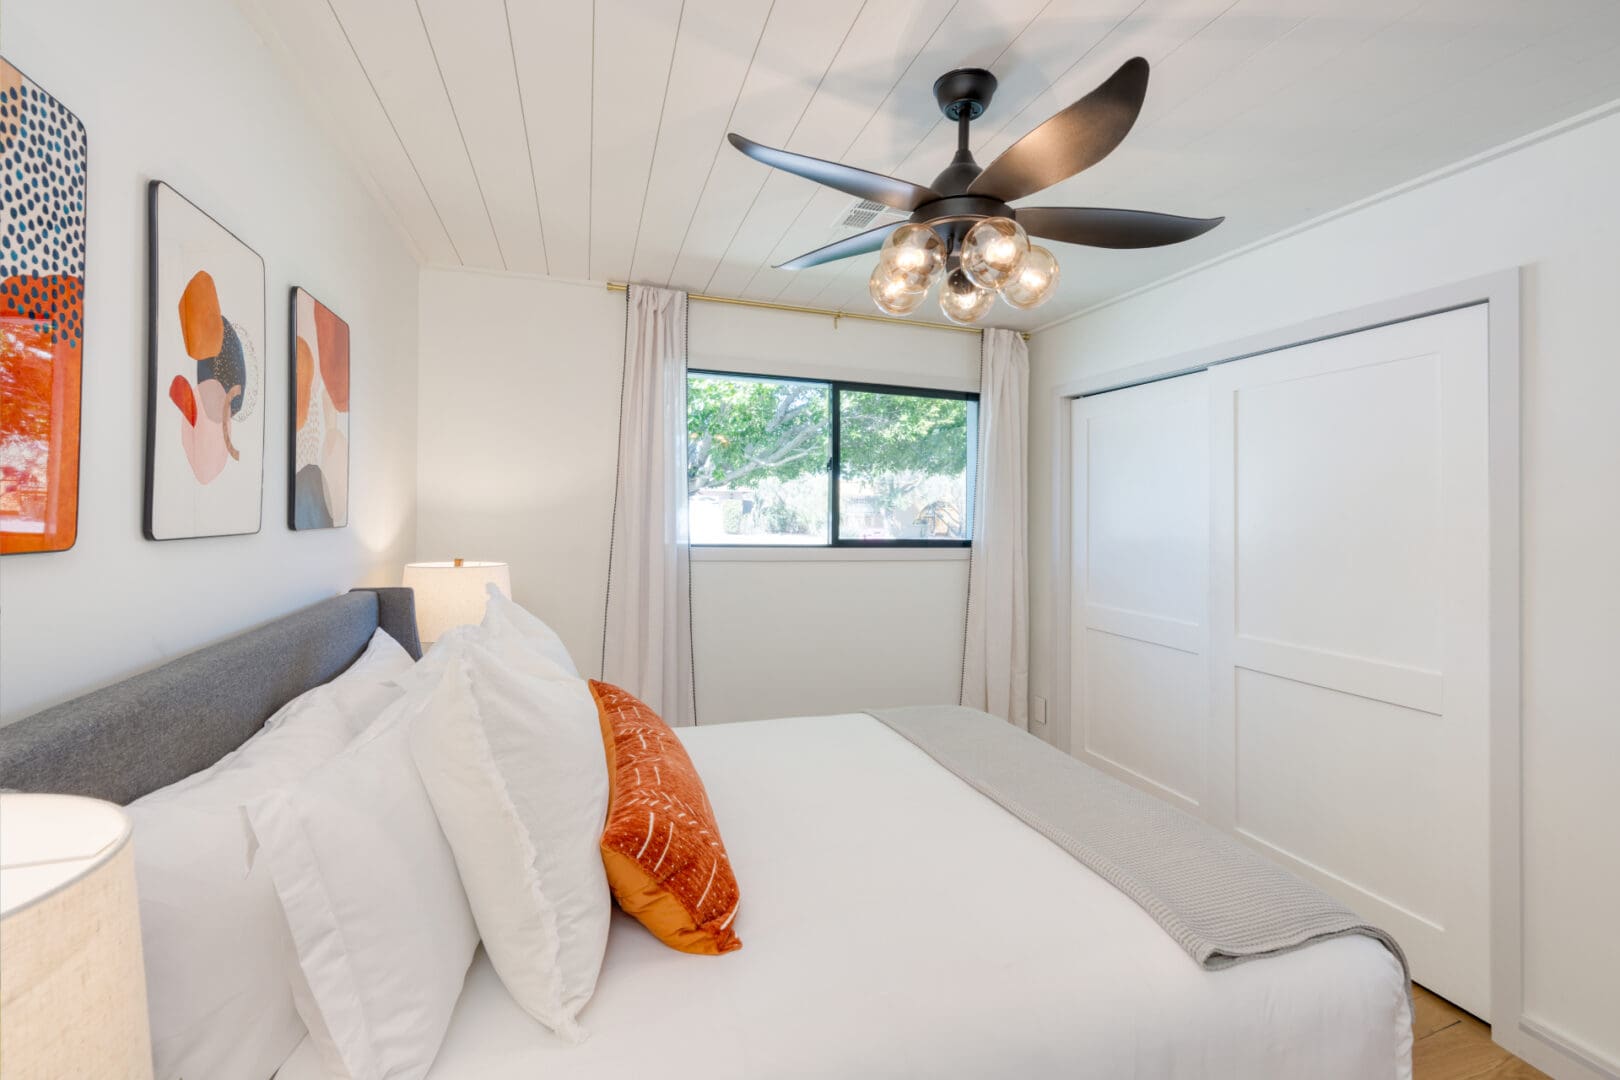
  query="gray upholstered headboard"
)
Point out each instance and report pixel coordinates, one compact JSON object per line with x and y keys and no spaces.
{"x":122,"y":741}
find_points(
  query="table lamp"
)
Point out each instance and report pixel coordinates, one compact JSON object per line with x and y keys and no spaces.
{"x":72,"y":981}
{"x":452,"y":593}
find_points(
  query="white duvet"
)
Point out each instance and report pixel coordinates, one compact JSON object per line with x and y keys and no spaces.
{"x":896,"y":923}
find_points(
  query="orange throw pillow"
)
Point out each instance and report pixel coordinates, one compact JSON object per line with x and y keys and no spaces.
{"x":665,"y":860}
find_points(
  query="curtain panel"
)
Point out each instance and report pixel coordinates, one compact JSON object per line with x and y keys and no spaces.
{"x":995,"y":650}
{"x":647,"y":625}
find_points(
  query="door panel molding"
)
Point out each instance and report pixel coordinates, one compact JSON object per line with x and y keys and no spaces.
{"x":1183,"y":635}
{"x":1387,"y":909}
{"x":1378,"y":680}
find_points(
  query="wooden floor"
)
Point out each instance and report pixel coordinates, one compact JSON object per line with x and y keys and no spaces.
{"x":1449,"y":1044}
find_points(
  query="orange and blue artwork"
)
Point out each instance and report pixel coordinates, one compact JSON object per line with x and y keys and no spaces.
{"x":318,"y":487}
{"x":205,"y":406}
{"x":43,"y":174}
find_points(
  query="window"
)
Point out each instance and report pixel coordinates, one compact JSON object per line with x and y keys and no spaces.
{"x":756,"y":460}
{"x":808,"y":462}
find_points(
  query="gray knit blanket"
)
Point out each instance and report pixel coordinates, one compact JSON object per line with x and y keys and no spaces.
{"x":1218,"y":900}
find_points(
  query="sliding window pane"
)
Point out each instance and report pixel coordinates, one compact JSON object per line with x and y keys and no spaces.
{"x":904,"y":464}
{"x":756,"y":461}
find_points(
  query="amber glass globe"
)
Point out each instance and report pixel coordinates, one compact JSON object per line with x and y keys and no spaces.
{"x":891,"y":292}
{"x":916,"y":254}
{"x":993,"y":250}
{"x":962,"y":301}
{"x":1035,"y":281}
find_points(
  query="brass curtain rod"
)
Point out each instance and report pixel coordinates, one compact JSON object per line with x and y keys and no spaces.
{"x":619,"y":286}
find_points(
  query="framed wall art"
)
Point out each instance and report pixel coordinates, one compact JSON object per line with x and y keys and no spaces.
{"x":205,"y":402}
{"x":318,"y":483}
{"x":43,"y":184}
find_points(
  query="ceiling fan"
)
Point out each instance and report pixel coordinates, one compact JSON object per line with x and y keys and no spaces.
{"x":961,"y":226}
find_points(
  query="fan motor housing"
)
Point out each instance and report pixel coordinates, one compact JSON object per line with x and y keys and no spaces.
{"x":964,"y":91}
{"x":952,"y":216}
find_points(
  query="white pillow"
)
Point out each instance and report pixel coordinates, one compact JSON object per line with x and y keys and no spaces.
{"x":377,"y":914}
{"x":215,"y":942}
{"x":511,"y":755}
{"x":368,"y":686}
{"x":502,"y":613}
{"x":360,"y":694}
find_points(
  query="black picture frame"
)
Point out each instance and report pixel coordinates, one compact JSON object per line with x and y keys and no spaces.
{"x":292,"y":412}
{"x":154,"y":362}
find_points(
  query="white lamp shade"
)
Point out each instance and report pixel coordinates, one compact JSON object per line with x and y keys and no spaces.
{"x":452,"y":593}
{"x":72,"y":981}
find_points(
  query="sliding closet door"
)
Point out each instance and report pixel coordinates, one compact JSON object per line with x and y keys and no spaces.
{"x":1139,"y":682}
{"x":1348,"y":638}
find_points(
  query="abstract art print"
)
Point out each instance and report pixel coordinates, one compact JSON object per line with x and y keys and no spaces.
{"x":205,"y":403}
{"x":42,"y":203}
{"x":318,"y":488}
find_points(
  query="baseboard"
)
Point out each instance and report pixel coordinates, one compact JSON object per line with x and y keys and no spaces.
{"x":1554,"y":1053}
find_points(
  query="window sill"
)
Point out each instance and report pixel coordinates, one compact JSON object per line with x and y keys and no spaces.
{"x":807,"y":554}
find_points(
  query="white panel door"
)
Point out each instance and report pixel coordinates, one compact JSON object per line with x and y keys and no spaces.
{"x":1348,"y":628}
{"x":1139,"y":682}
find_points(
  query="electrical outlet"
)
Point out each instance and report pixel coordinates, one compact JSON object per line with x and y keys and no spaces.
{"x":1037,"y":710}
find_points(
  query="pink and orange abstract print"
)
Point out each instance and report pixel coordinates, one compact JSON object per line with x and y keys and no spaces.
{"x":205,"y":356}
{"x":318,"y":488}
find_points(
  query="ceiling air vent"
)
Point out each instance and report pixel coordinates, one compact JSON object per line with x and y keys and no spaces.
{"x":866,"y":214}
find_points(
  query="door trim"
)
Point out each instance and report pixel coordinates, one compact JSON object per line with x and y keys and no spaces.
{"x":1501,"y":292}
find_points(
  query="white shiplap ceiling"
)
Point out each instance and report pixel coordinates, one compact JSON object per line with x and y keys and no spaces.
{"x":586,"y":140}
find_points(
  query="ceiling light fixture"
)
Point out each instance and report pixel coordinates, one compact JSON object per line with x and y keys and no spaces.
{"x":892,"y":293}
{"x":963,"y":230}
{"x":915,"y":254}
{"x":1035,"y":281}
{"x":963,"y":300}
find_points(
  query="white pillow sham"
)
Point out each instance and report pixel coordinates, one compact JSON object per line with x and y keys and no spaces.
{"x":511,"y":755}
{"x":215,"y":942}
{"x":368,"y":884}
{"x":503,"y":613}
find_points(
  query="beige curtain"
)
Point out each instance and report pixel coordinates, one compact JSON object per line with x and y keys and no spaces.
{"x":995,"y":658}
{"x":646,"y":634}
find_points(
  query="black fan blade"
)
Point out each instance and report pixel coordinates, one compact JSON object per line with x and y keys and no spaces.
{"x":900,"y":194}
{"x":1096,"y":227}
{"x":1070,"y":141}
{"x":859,"y":244}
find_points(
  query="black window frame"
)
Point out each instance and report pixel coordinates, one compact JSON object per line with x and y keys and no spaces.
{"x":835,"y":461}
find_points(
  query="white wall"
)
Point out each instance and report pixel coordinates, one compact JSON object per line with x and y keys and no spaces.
{"x":1550,"y":208}
{"x":518,"y":436}
{"x":517,"y":430}
{"x":184,"y":91}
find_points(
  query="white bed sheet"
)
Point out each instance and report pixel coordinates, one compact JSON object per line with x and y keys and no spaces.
{"x":896,"y":923}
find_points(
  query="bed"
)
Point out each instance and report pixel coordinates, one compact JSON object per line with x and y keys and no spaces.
{"x":896,"y":922}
